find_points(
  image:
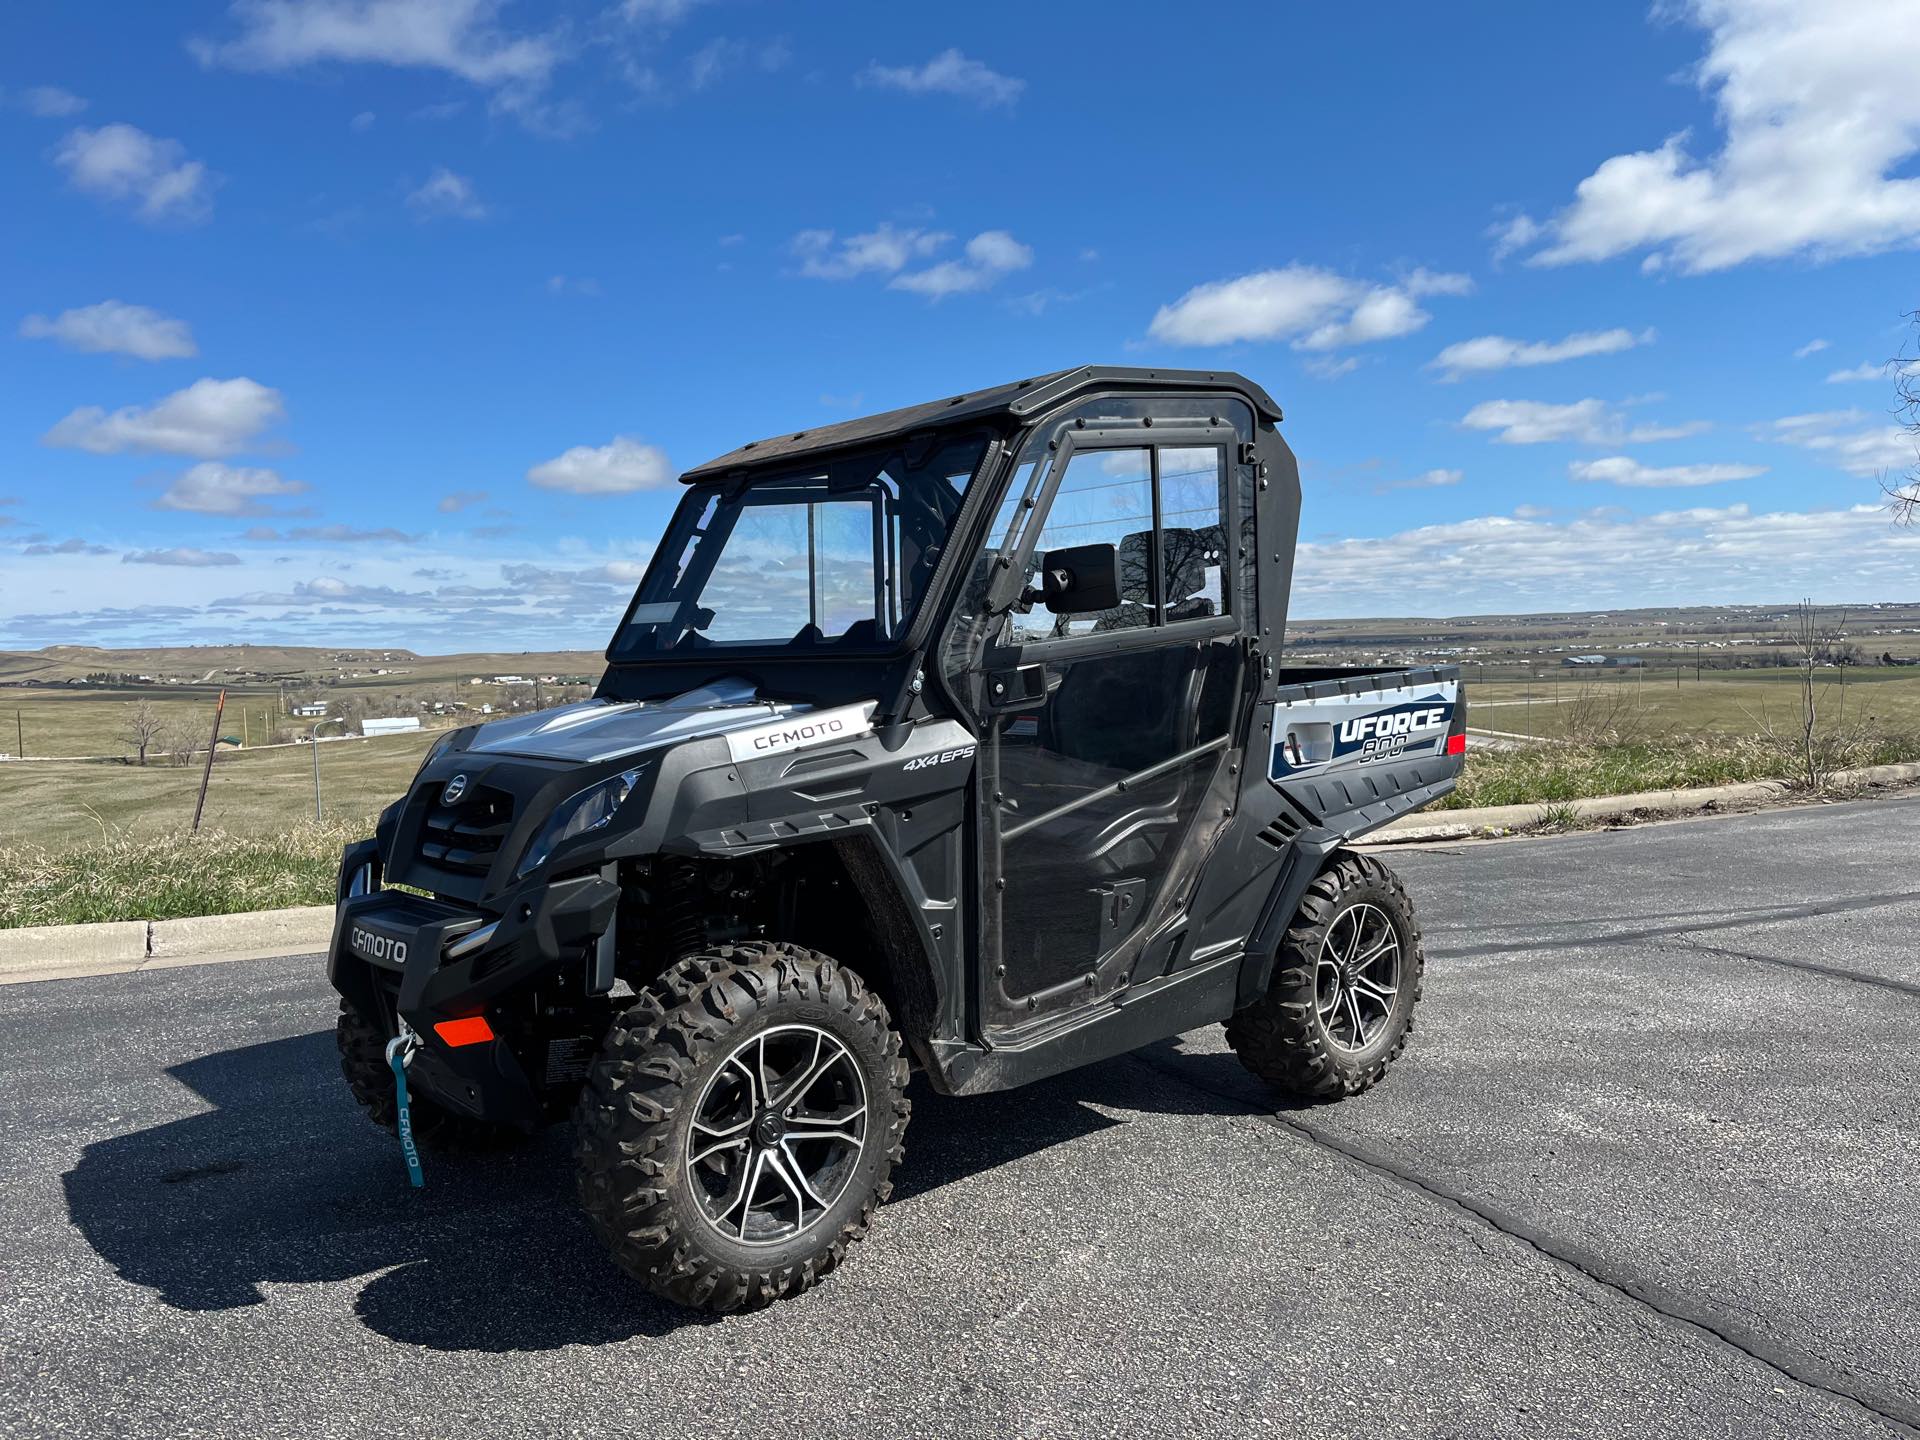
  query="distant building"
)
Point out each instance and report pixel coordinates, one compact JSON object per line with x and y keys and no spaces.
{"x":314,"y":710}
{"x":398,"y":725}
{"x":1603,"y":662}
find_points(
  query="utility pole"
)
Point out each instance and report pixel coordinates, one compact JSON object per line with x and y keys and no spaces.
{"x":20,"y":735}
{"x":313,"y":740}
{"x":213,"y":743}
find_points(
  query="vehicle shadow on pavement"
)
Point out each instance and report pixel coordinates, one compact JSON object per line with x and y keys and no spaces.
{"x":281,"y":1181}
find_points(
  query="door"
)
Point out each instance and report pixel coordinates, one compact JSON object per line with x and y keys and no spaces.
{"x":1103,"y":770}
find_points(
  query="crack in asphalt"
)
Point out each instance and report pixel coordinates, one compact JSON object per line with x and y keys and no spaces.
{"x":1732,"y":922}
{"x":1677,"y":1310}
{"x":1811,"y":967}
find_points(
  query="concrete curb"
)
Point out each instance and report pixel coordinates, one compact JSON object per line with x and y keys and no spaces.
{"x":58,"y":952}
{"x":1494,"y":820}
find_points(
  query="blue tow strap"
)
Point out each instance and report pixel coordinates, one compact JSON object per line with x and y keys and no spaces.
{"x":399,"y":1051}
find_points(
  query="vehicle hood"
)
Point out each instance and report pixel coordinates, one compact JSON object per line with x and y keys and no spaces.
{"x":594,"y":730}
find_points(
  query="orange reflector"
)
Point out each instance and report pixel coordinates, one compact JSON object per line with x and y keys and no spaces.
{"x":1456,"y":744}
{"x":472,"y":1030}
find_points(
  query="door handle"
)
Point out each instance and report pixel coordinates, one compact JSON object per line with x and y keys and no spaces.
{"x":1025,"y":688}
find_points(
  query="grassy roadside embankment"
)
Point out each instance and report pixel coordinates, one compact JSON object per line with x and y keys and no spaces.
{"x":167,"y":877}
{"x":1546,"y":774}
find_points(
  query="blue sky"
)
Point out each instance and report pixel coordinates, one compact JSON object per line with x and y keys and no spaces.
{"x":391,"y":321}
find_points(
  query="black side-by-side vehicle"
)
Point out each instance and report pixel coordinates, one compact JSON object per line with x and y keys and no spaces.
{"x":956,"y":738}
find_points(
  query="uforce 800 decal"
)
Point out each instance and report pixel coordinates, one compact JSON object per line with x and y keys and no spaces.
{"x":1390,"y":730}
{"x":1360,"y":729}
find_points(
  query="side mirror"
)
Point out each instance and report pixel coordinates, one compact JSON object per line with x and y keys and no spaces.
{"x":1080,"y":580}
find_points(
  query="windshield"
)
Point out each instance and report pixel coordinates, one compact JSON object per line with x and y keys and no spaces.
{"x":836,"y":555}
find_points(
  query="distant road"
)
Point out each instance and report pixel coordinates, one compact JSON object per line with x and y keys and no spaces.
{"x":1647,"y":1170}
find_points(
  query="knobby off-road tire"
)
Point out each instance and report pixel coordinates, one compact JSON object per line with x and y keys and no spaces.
{"x":672,"y":1123}
{"x":1327,"y":1027}
{"x":363,"y":1060}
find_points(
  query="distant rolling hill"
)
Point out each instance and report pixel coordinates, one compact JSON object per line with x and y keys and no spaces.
{"x":267,"y":664}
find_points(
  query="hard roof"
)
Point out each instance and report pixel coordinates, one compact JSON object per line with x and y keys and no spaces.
{"x":1018,"y":400}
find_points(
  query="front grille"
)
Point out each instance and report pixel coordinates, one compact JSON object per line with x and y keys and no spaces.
{"x":466,"y":837}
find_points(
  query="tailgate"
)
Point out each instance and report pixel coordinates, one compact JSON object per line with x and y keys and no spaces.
{"x":1355,"y":750}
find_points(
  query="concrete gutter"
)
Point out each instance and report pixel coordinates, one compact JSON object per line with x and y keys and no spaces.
{"x":56,"y":952}
{"x":1496,"y":820}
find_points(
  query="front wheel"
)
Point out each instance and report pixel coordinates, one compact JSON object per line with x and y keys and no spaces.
{"x":1340,"y":1005}
{"x":740,"y":1125}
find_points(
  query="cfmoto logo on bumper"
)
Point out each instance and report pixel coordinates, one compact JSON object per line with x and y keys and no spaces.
{"x":456,"y":787}
{"x":382,"y":949}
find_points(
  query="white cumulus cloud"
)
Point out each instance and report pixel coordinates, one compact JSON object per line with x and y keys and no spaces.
{"x":208,"y":419}
{"x":1625,"y":470}
{"x":446,"y":195}
{"x":1497,"y":352}
{"x":1313,"y":308}
{"x":50,"y":102}
{"x":115,"y":328}
{"x":1819,"y":115}
{"x":215,"y":488}
{"x":1841,"y":438}
{"x":1587,"y":422}
{"x":459,"y":37}
{"x":989,"y":255}
{"x":884,"y":250}
{"x":180,"y":555}
{"x":1706,"y":555}
{"x":617,"y":468}
{"x":124,"y":163}
{"x":948,"y":73}
{"x":1869,"y":370}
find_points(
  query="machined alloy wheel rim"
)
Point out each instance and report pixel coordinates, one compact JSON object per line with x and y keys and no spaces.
{"x":778,"y":1134}
{"x":1358,"y":977}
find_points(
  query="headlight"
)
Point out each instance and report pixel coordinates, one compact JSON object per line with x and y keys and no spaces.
{"x":589,"y":810}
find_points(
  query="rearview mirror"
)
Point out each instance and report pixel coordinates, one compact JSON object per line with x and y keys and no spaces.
{"x":1080,"y":579}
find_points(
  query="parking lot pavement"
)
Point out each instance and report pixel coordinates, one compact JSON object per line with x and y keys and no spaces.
{"x":1648,"y":1168}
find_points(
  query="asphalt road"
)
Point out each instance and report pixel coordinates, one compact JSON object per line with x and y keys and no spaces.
{"x":1651,"y":1167}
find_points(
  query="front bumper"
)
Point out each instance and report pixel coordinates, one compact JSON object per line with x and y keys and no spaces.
{"x":398,"y":955}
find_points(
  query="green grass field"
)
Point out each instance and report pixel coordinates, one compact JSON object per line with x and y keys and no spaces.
{"x":1725,"y":702}
{"x":92,"y":722}
{"x":256,"y":792}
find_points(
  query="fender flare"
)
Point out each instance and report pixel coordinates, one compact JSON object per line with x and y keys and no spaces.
{"x":1311,"y":854}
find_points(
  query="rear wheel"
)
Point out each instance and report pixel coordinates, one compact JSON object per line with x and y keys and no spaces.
{"x":740,"y":1125}
{"x":1340,"y":1005}
{"x":363,"y":1060}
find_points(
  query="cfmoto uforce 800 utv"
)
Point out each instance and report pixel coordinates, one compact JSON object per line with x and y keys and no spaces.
{"x":955,"y":738}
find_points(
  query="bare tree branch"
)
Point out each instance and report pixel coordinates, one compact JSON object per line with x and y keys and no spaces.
{"x":1903,"y":496}
{"x":143,"y":728}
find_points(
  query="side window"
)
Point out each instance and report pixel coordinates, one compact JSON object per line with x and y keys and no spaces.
{"x":1193,"y":532}
{"x":1105,"y":497}
{"x":1108,"y":497}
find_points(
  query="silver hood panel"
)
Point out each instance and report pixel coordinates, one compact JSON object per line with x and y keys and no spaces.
{"x":594,"y":730}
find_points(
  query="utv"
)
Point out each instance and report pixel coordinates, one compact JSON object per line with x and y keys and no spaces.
{"x":957,"y":737}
